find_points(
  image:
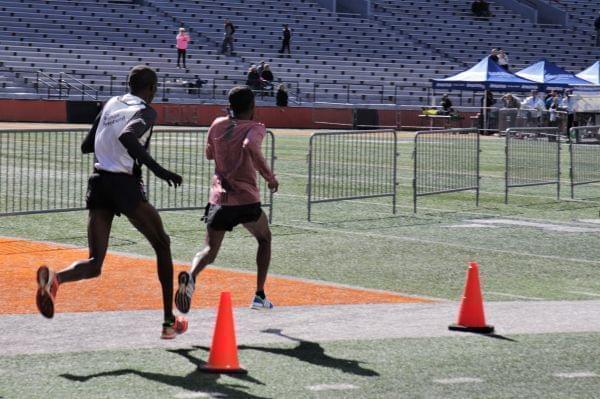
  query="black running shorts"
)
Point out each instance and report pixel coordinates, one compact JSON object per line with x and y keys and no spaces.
{"x":117,"y":192}
{"x":226,"y":217}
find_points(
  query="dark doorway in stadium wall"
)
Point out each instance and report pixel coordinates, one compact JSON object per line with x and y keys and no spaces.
{"x":365,"y":119}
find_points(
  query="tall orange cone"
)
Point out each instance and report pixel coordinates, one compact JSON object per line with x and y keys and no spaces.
{"x":223,"y":356}
{"x":470,"y":315}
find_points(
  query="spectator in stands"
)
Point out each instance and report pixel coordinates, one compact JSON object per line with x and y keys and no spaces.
{"x":509,"y":101}
{"x":183,"y":39}
{"x":494,"y":55}
{"x":285,"y":41}
{"x":597,"y":27}
{"x":446,"y":104}
{"x":227,"y":45}
{"x":267,"y":76}
{"x":194,"y":85}
{"x":481,"y":8}
{"x":260,"y":67}
{"x":253,"y":80}
{"x":502,"y":59}
{"x":282,"y":96}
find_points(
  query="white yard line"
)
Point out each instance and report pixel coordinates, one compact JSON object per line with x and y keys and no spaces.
{"x":443,"y":243}
{"x":331,"y":387}
{"x":584,"y":293}
{"x":580,"y":374}
{"x":189,"y":395}
{"x":532,"y":298}
{"x":458,"y":380}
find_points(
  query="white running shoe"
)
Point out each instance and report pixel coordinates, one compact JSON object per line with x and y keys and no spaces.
{"x":183,"y":296}
{"x":261,"y":304}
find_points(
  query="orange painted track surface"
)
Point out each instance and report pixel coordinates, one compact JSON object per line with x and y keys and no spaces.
{"x":131,"y":283}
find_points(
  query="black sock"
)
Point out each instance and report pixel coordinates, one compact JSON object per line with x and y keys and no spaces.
{"x":261,"y":294}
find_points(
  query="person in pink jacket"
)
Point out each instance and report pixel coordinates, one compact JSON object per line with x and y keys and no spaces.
{"x":183,"y":39}
{"x":234,"y":143}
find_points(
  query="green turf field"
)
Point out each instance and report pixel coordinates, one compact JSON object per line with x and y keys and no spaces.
{"x":533,"y":248}
{"x":534,"y":366}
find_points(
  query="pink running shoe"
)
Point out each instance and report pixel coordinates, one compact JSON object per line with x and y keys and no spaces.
{"x":46,"y":292}
{"x":174,"y":328}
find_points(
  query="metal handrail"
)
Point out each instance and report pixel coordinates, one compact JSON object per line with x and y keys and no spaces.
{"x":83,"y":86}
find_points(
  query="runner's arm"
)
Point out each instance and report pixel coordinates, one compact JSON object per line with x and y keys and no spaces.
{"x":87,"y":146}
{"x":137,"y":127}
{"x":209,"y":149}
{"x":252,"y":143}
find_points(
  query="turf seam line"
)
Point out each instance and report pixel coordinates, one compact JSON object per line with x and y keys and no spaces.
{"x":431,"y":242}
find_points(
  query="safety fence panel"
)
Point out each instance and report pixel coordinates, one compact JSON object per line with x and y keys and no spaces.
{"x":511,"y":118}
{"x":349,"y":165}
{"x":44,"y":170}
{"x":446,"y":161}
{"x":532,"y":158}
{"x":584,"y":154}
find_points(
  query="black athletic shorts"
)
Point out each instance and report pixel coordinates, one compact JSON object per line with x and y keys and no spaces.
{"x":117,"y":192}
{"x":226,"y":217}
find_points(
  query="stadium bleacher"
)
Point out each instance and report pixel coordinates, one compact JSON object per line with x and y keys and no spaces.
{"x":388,"y":58}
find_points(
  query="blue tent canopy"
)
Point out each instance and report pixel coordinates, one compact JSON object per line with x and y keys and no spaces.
{"x":550,"y":75}
{"x":486,"y":75}
{"x":591,"y":74}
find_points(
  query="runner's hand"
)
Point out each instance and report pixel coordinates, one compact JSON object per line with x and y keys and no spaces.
{"x":172,"y":179}
{"x":273,"y":186}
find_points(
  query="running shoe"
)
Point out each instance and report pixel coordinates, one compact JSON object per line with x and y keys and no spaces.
{"x":171,"y":329}
{"x":46,"y":292}
{"x":183,"y":296}
{"x":261,"y":304}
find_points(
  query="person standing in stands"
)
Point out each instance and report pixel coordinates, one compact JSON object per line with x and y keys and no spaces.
{"x":282,"y":96}
{"x":227,"y":45}
{"x":597,"y":27}
{"x":183,"y":39}
{"x":503,"y":59}
{"x":287,"y":37}
{"x":494,"y":55}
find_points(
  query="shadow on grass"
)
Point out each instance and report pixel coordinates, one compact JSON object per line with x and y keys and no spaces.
{"x":195,"y":381}
{"x":313,"y":353}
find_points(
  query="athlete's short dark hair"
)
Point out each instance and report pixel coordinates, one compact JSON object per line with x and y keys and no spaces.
{"x":141,"y":77}
{"x":241,"y":99}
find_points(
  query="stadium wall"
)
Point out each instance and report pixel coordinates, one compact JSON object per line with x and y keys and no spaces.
{"x":59,"y":111}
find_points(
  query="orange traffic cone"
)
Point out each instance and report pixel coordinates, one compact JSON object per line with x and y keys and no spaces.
{"x":470,"y":316}
{"x":223,"y":356}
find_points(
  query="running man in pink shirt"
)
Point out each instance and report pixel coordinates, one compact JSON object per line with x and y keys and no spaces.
{"x":234,"y":143}
{"x":183,"y":40}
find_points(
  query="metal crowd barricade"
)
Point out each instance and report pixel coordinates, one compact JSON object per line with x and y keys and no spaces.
{"x":510,"y":118}
{"x":584,"y":154}
{"x":446,"y":161}
{"x":44,"y":171}
{"x":532,"y":158}
{"x":350,"y":165}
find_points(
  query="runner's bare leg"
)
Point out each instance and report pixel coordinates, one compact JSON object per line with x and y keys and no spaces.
{"x":146,"y":219}
{"x":99,"y":225}
{"x":260,"y":230}
{"x":212,"y":244}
